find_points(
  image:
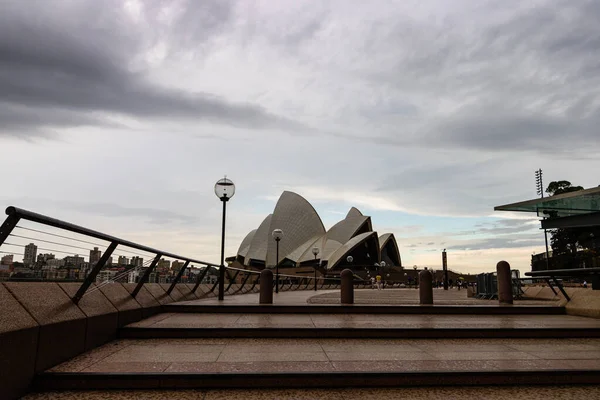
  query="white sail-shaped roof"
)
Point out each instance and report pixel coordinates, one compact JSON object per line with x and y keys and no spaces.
{"x":340,"y":254}
{"x":299,"y":222}
{"x":388,"y":241}
{"x":245,"y":246}
{"x":354,"y":212}
{"x":259,"y":243}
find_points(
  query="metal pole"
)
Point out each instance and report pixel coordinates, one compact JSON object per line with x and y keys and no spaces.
{"x":315,"y":272}
{"x":445,"y":267}
{"x":277,"y":267}
{"x":222,"y":266}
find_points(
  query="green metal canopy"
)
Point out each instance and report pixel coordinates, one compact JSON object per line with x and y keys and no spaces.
{"x":563,"y":205}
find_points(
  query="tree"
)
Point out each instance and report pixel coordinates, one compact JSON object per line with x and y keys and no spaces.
{"x":569,"y":240}
{"x":560,"y":187}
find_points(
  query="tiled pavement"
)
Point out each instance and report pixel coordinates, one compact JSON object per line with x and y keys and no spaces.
{"x":232,"y":320}
{"x":361,"y":296}
{"x":413,"y":393}
{"x":328,"y":355}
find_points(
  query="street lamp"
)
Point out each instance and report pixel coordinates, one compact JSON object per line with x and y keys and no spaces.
{"x":277,"y":235}
{"x":382,"y":264}
{"x":224,"y":189}
{"x":315,"y":251}
{"x":416,"y":276}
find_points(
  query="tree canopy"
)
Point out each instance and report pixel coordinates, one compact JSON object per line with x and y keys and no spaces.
{"x":560,"y":187}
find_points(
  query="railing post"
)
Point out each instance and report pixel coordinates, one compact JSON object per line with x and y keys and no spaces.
{"x":144,"y":278}
{"x":94,"y":272}
{"x":178,"y":277}
{"x":7,"y":226}
{"x":200,"y":278}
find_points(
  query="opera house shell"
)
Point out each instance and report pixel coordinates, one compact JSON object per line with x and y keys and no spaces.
{"x":303,"y":230}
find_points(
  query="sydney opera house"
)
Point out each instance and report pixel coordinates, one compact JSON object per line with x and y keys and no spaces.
{"x":303,"y":233}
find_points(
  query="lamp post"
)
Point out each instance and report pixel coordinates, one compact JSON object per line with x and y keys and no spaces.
{"x":382,"y":264}
{"x":224,"y":189}
{"x":277,"y":235}
{"x":416,"y":276}
{"x":315,"y":251}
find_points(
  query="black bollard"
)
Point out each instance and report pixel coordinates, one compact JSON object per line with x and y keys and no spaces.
{"x":266,"y":286}
{"x":505,"y":294}
{"x":425,"y":287}
{"x":347,"y":290}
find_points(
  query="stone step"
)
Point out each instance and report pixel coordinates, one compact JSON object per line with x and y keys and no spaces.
{"x":366,"y":309}
{"x":243,"y":325}
{"x":312,"y":363}
{"x":341,"y":333}
{"x":103,"y":381}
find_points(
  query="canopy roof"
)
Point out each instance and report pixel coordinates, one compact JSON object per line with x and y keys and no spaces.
{"x":562,"y":205}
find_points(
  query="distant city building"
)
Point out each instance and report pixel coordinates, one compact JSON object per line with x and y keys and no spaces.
{"x":137,"y":261}
{"x":122,"y":260}
{"x":163,"y":265}
{"x":55,"y":263}
{"x":7,"y":260}
{"x":109,"y":262}
{"x":176,"y":266}
{"x":95,"y":256}
{"x":74,"y":261}
{"x":30,"y":254}
{"x":43,"y":258}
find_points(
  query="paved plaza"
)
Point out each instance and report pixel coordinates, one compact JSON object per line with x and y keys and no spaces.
{"x":364,"y":296}
{"x":411,"y":296}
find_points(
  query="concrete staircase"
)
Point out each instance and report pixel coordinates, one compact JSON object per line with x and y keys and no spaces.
{"x":331,"y":346}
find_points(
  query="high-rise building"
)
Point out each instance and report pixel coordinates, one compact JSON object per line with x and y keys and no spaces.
{"x":30,"y":254}
{"x":123,"y":260}
{"x":137,"y":261}
{"x":7,"y":260}
{"x":95,"y":256}
{"x":74,"y":261}
{"x":109,"y":262}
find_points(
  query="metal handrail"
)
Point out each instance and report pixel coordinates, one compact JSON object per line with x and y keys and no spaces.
{"x":42,"y":219}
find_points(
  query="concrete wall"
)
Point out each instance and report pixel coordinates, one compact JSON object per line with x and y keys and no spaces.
{"x":41,"y":327}
{"x":584,"y":302}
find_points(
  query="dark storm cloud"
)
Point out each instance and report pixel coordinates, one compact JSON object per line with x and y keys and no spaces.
{"x":65,"y":63}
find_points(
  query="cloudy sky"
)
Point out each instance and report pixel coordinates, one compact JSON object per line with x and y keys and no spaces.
{"x":121,"y":115}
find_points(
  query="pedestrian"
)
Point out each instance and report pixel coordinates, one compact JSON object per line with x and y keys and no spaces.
{"x":585,"y":284}
{"x":378,"y":282}
{"x":372,"y":282}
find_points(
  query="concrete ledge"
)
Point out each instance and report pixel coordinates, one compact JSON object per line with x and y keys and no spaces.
{"x":129,"y":309}
{"x":18,"y":344}
{"x":150,"y":306}
{"x":584,"y":302}
{"x":102,"y":316}
{"x":62,"y":323}
{"x":196,"y":295}
{"x":158,"y":293}
{"x":175,"y":294}
{"x":186,"y":290}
